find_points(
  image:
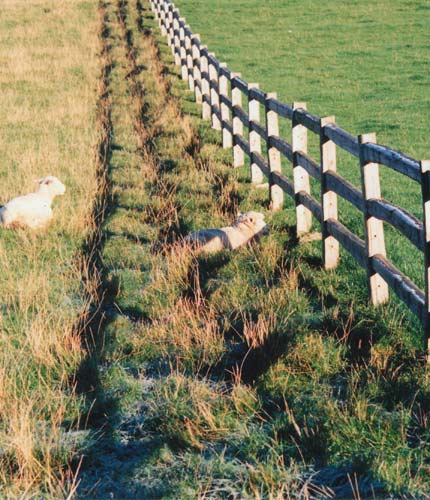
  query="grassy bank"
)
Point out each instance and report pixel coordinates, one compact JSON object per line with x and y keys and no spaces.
{"x":251,"y":374}
{"x":48,"y":116}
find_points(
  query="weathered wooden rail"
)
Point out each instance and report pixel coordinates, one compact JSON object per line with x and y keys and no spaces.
{"x":222,"y":93}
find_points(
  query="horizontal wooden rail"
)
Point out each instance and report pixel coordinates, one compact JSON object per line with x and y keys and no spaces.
{"x":311,"y":122}
{"x":393,"y":159}
{"x":225,"y":100}
{"x":261,"y":162}
{"x":279,"y":107}
{"x":345,"y":189}
{"x":228,"y":125}
{"x":213,"y":60}
{"x":282,"y":146}
{"x":261,"y":131}
{"x":221,"y":93}
{"x":216,"y":110}
{"x":285,"y":184}
{"x":225,"y":72}
{"x":240,"y":84}
{"x":242,"y":142}
{"x":258,"y":95}
{"x":311,"y":203}
{"x":401,"y":219}
{"x":342,"y":139}
{"x":310,"y":165}
{"x":242,"y":115}
{"x":404,"y":288}
{"x":355,"y":245}
{"x":214,"y":85}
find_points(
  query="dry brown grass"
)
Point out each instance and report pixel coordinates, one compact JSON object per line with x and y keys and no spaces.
{"x":49,"y":67}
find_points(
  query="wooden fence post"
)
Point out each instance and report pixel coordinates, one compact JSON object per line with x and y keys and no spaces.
{"x":374,"y":228}
{"x":214,"y":92}
{"x":154,"y":5}
{"x":189,"y":57}
{"x":425,"y":188}
{"x":182,"y":50}
{"x":158,"y":10}
{"x":227,"y":139}
{"x":204,"y":72}
{"x":330,"y":245}
{"x":236,"y":100}
{"x":274,"y":156}
{"x":176,"y":40}
{"x":195,"y":44}
{"x":163,"y":19}
{"x":301,"y":177}
{"x":257,"y":175}
{"x":170,"y":34}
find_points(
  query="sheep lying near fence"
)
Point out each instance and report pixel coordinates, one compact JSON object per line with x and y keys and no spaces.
{"x":34,"y":209}
{"x":246,"y":227}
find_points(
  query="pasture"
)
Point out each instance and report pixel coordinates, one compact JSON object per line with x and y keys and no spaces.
{"x":254,"y":374}
{"x":362,"y":62}
{"x":49,"y":70}
{"x":131,"y":368}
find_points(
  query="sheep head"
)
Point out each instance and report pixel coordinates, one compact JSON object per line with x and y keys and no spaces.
{"x":254,"y":221}
{"x":51,"y":186}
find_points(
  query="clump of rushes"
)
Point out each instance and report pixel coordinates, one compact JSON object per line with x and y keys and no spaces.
{"x":189,"y":411}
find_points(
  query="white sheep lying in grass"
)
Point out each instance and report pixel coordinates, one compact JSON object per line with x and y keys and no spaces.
{"x":34,"y":209}
{"x":245,"y":228}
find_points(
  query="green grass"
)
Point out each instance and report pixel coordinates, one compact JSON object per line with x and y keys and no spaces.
{"x":248,"y":374}
{"x":361,"y":61}
{"x":364,"y":62}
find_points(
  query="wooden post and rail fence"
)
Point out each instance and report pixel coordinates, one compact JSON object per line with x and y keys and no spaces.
{"x":221,"y":94}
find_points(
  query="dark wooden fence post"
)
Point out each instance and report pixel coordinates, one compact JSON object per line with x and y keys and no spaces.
{"x":425,"y":189}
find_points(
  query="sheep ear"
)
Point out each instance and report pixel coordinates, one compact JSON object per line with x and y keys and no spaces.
{"x":47,"y":182}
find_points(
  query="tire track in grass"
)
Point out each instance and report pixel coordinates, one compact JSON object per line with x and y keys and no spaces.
{"x":141,"y":225}
{"x":124,"y":266}
{"x":90,"y":324}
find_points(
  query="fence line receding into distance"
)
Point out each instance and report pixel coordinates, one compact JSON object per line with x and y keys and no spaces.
{"x":221,"y":94}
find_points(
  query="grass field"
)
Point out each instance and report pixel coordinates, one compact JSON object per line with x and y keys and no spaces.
{"x":363,"y":62}
{"x":245,"y":375}
{"x":49,"y":71}
{"x":158,"y":373}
